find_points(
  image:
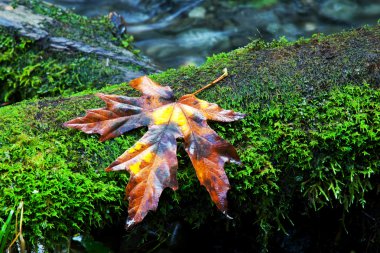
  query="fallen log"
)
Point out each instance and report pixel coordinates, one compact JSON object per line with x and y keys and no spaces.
{"x":50,"y":33}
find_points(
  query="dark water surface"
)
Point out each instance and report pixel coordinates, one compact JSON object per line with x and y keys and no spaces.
{"x":174,"y":33}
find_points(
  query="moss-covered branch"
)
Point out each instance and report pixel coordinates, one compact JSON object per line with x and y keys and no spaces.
{"x":47,"y":51}
{"x":311,"y":140}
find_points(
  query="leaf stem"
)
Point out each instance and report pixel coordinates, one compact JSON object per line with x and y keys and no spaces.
{"x":225,"y":73}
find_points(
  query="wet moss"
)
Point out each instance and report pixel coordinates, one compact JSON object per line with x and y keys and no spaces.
{"x":40,"y":167}
{"x":27,"y":71}
{"x":260,"y":73}
{"x":310,"y":141}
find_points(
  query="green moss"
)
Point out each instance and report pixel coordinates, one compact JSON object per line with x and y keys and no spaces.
{"x":26,"y":71}
{"x":39,"y":166}
{"x":327,"y":144}
{"x":316,"y":153}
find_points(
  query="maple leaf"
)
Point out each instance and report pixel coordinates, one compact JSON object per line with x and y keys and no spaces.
{"x":152,"y":161}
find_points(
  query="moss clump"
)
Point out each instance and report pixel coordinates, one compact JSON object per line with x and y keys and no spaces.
{"x":299,"y":156}
{"x":26,"y":71}
{"x":61,"y":197}
{"x":316,"y":153}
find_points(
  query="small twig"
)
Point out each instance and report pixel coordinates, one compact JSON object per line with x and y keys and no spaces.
{"x":158,"y":244}
{"x":225,"y":73}
{"x":19,"y":232}
{"x":21,"y":237}
{"x":369,"y":216}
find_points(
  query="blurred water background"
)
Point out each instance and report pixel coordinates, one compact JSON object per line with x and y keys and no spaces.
{"x":177,"y":32}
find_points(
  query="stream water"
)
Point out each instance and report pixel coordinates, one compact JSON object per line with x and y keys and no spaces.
{"x":178,"y":32}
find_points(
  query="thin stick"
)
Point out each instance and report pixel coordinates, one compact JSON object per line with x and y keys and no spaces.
{"x":21,"y":237}
{"x":19,"y":232}
{"x":225,"y":73}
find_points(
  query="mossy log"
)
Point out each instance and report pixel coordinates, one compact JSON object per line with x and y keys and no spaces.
{"x":309,"y":146}
{"x":36,"y":39}
{"x":39,"y":26}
